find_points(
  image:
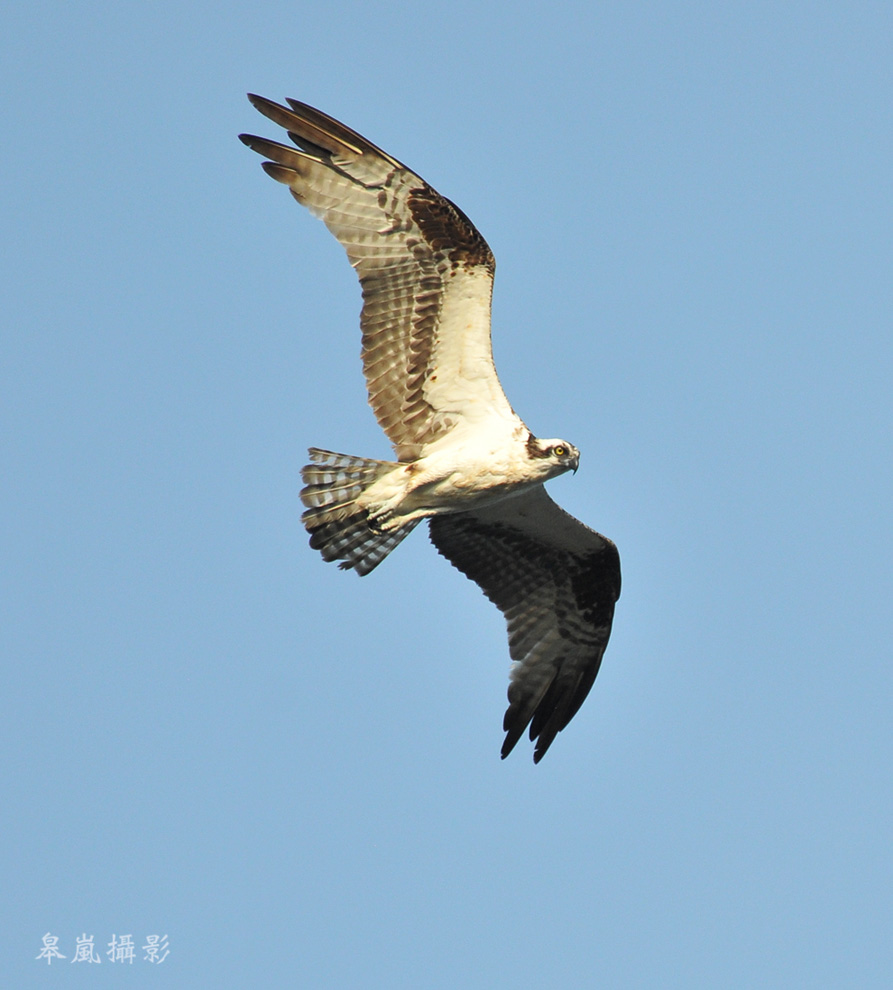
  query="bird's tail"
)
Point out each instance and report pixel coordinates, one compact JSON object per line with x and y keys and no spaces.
{"x":338,"y":527}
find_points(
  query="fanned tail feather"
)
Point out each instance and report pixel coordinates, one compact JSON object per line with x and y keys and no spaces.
{"x":338,"y":527}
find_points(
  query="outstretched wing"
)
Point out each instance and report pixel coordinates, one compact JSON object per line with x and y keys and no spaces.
{"x":426,"y":274}
{"x":556,"y":582}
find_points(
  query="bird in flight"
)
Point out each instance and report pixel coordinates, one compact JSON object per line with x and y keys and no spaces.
{"x":464,"y":460}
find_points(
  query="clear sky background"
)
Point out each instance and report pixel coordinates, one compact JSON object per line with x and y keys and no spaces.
{"x":294,"y":774}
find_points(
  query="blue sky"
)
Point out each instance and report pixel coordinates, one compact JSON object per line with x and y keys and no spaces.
{"x":292,"y":773}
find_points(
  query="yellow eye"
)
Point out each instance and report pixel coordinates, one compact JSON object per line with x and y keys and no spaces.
{"x":559,"y":451}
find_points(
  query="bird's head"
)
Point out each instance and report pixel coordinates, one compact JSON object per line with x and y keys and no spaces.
{"x":554,"y":456}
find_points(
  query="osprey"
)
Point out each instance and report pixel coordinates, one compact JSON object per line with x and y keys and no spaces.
{"x":464,"y":460}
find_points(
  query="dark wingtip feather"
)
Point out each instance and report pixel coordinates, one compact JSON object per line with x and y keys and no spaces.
{"x":512,"y":736}
{"x":279,"y":172}
{"x":258,"y":102}
{"x":542,"y":746}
